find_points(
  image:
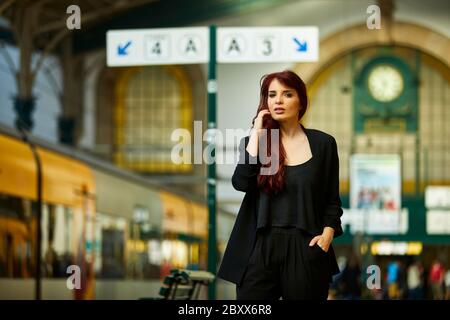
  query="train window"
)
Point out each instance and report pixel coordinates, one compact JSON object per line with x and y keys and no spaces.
{"x":61,"y":235}
{"x":143,"y":249}
{"x":112,"y":253}
{"x":135,"y":249}
{"x":110,"y":234}
{"x":16,"y":231}
{"x":58,"y":252}
{"x":181,"y":251}
{"x":12,"y":207}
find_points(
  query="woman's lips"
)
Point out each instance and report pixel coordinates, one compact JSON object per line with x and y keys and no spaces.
{"x":279,"y":110}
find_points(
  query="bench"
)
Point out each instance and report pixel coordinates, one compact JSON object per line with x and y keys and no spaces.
{"x":184,"y":284}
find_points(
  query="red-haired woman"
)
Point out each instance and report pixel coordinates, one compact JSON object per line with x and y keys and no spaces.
{"x":280,"y":246}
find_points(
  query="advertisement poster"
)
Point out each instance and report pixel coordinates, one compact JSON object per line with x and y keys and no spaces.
{"x":375,"y":182}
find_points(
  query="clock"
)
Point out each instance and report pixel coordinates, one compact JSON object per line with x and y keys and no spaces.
{"x":385,"y":93}
{"x":385,"y":82}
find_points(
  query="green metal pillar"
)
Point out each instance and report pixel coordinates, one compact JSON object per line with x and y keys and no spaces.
{"x":212,"y":90}
{"x":418,"y":179}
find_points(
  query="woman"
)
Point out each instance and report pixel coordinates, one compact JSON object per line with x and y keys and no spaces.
{"x":280,"y":245}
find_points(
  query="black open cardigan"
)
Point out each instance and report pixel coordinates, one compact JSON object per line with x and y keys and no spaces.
{"x":325,"y":211}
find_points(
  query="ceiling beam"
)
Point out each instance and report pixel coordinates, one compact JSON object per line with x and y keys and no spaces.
{"x":93,"y":15}
{"x":5,"y":5}
{"x":167,"y":14}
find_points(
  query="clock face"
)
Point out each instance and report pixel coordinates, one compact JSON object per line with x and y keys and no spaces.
{"x":385,"y":83}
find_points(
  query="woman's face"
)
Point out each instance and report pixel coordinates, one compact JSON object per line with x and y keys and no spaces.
{"x":283,"y":101}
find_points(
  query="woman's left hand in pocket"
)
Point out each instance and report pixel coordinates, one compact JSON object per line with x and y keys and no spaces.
{"x":323,"y":240}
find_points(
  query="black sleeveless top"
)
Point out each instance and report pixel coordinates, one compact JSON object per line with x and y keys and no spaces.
{"x":286,"y":207}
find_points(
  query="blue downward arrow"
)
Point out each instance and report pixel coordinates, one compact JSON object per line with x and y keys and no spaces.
{"x":302,"y":47}
{"x":122,"y":51}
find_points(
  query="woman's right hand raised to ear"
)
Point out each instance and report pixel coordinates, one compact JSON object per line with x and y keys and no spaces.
{"x":252,"y":147}
{"x":259,"y":119}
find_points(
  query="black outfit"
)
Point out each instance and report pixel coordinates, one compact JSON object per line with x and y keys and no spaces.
{"x":283,"y":264}
{"x":269,"y":261}
{"x":293,"y":199}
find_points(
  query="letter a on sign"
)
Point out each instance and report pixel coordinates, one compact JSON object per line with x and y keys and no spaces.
{"x":233,"y":46}
{"x":190,"y":46}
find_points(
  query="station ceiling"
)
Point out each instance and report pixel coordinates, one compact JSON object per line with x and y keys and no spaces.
{"x":99,"y":16}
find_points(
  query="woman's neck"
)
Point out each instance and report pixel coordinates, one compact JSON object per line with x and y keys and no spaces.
{"x":290,"y":129}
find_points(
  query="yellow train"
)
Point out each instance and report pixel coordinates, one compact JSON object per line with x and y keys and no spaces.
{"x":124,"y":232}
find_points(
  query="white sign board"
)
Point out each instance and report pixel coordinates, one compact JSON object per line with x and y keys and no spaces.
{"x":157,"y":46}
{"x":267,"y":44}
{"x":437,"y":197}
{"x":376,"y":221}
{"x":438,"y":222}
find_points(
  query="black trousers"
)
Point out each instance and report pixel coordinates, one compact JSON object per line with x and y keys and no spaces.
{"x":283,"y":265}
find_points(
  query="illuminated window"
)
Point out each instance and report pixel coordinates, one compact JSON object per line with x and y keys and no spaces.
{"x":434,"y":100}
{"x":151,"y":103}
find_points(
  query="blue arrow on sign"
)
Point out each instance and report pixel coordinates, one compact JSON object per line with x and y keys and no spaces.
{"x":302,"y":47}
{"x":122,"y":50}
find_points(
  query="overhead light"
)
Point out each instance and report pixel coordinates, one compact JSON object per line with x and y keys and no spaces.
{"x":396,"y":248}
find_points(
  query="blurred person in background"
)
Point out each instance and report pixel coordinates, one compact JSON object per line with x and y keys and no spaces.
{"x":436,"y":280}
{"x":335,"y":290}
{"x":350,"y":283}
{"x":415,"y":281}
{"x":447,"y":284}
{"x":392,"y":279}
{"x":402,"y":280}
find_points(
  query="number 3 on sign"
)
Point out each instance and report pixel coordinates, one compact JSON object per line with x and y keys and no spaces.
{"x":266,"y":46}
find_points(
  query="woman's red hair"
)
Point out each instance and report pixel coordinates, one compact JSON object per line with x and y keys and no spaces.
{"x":272,"y":184}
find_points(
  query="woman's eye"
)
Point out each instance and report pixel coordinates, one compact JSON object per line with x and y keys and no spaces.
{"x":271,"y":95}
{"x":288,"y":94}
